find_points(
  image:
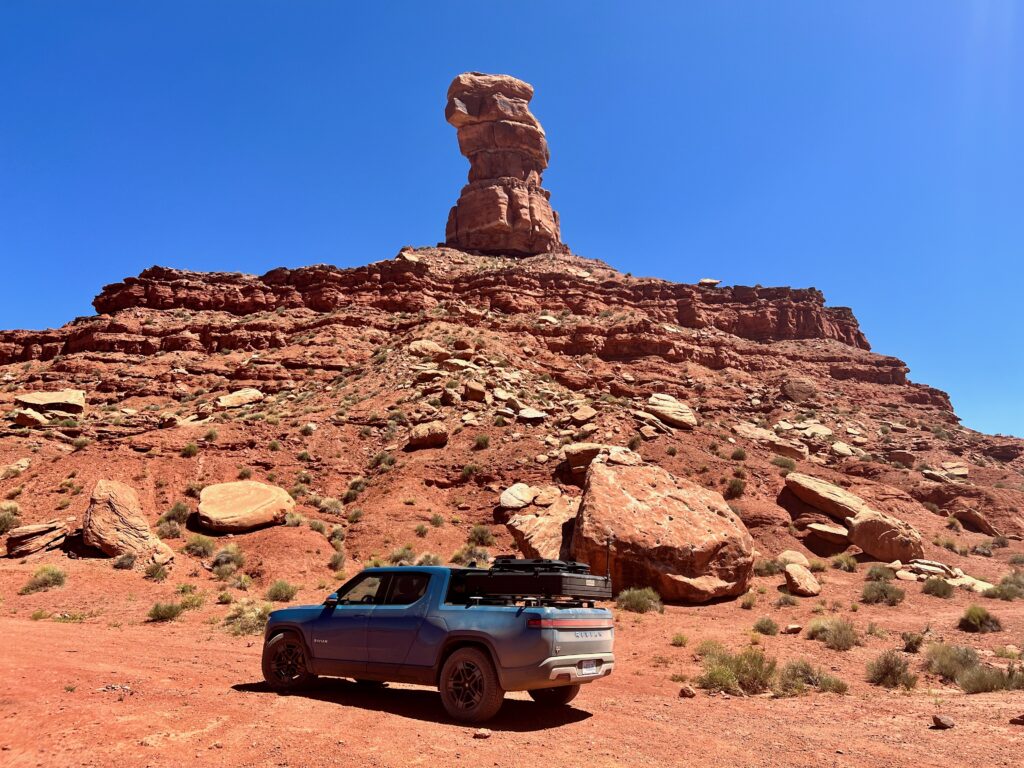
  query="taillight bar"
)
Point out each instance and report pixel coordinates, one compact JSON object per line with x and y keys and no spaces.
{"x":539,"y":623}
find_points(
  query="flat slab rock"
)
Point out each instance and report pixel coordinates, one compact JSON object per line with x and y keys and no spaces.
{"x":70,"y":400}
{"x":29,"y":539}
{"x":243,"y":505}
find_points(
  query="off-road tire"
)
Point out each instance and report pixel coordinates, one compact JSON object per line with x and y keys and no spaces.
{"x":555,"y":697}
{"x":470,"y":690}
{"x":285,"y":665}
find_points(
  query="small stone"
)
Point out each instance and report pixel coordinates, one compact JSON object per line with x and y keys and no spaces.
{"x":942,"y":722}
{"x":687,"y":692}
{"x":1019,"y":720}
{"x":482,"y":733}
{"x":792,"y":629}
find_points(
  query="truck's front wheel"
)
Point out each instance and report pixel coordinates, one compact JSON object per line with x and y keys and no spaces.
{"x":284,"y":663}
{"x":470,"y":690}
{"x":554,"y":697}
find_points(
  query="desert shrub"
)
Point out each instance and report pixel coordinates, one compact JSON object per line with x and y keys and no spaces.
{"x":984,"y":549}
{"x":178,"y":513}
{"x":244,"y":473}
{"x":156,"y":572}
{"x":749,"y":601}
{"x":225,"y":598}
{"x":229,"y":555}
{"x":481,"y":536}
{"x":168,"y":529}
{"x":784,"y":461}
{"x":337,"y":561}
{"x":190,"y":450}
{"x":79,"y":443}
{"x":786,"y":601}
{"x":10,"y":517}
{"x":481,"y":442}
{"x":639,"y":600}
{"x":46,"y":577}
{"x":469,"y":470}
{"x":274,"y":445}
{"x":912,"y":641}
{"x":679,"y":640}
{"x":165,"y":611}
{"x":765,"y":626}
{"x":952,"y":523}
{"x":816,"y":565}
{"x":469,"y":554}
{"x":977,"y":619}
{"x":1010,"y":588}
{"x":748,"y":672}
{"x":937,"y":587}
{"x":770,"y":567}
{"x":671,"y":450}
{"x":199,"y":545}
{"x":882,"y":592}
{"x":981,"y":679}
{"x":837,"y":634}
{"x":421,"y":530}
{"x":210,"y":435}
{"x":949,"y":661}
{"x":355,"y":515}
{"x":125,"y":562}
{"x":382,"y":459}
{"x":797,"y":676}
{"x":436,"y":520}
{"x":247,"y":617}
{"x":739,"y":454}
{"x":318,"y":526}
{"x":1017,"y":559}
{"x":307,"y":429}
{"x":281,"y":591}
{"x":402,"y":556}
{"x":192,"y":601}
{"x":890,"y":670}
{"x":880,"y":573}
{"x":735,"y":488}
{"x":845,"y":562}
{"x":337,"y":537}
{"x":293,"y":520}
{"x":428,"y":558}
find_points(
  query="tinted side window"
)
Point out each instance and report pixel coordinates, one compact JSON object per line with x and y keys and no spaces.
{"x":406,"y":588}
{"x":365,"y":590}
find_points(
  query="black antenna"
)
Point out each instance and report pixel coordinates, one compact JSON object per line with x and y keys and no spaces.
{"x":608,"y":560}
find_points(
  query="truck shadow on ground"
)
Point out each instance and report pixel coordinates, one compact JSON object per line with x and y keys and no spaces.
{"x":425,"y":704}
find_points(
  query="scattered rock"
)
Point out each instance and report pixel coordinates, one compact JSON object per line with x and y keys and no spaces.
{"x":665,"y":532}
{"x":482,"y":733}
{"x":839,"y":448}
{"x":801,"y":582}
{"x":430,"y":434}
{"x":29,"y":539}
{"x":27,"y":417}
{"x":243,"y":505}
{"x":579,"y":455}
{"x":517,"y":496}
{"x":798,"y":389}
{"x":115,"y":524}
{"x":687,"y":691}
{"x":582,"y":415}
{"x":240,"y":397}
{"x":792,"y":629}
{"x":671,"y":411}
{"x":942,"y":722}
{"x":474,"y":391}
{"x":531,"y":415}
{"x":429,"y":349}
{"x":67,"y":400}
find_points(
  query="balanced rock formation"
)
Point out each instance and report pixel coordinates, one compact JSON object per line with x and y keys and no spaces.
{"x":503,"y":209}
{"x":115,"y":525}
{"x":242,"y":505}
{"x":664,"y":532}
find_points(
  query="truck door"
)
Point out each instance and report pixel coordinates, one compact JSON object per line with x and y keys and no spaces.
{"x":395,"y":621}
{"x":340,"y":634}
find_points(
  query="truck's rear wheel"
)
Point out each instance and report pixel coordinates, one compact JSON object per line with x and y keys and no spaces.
{"x":555,"y":697}
{"x":470,"y":690}
{"x":284,"y":663}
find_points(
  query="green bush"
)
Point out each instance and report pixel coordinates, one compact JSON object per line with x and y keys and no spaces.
{"x":337,"y":561}
{"x":770,"y":567}
{"x":10,"y":517}
{"x":178,"y":513}
{"x":1010,"y":588}
{"x":739,"y":454}
{"x":481,"y":442}
{"x":679,"y":640}
{"x":354,"y":516}
{"x":786,"y":601}
{"x":937,"y":587}
{"x":949,"y":661}
{"x":837,"y":634}
{"x":318,"y":526}
{"x":247,"y":617}
{"x":735,"y":488}
{"x":436,"y":520}
{"x":293,"y":520}
{"x":192,"y":601}
{"x":890,"y":670}
{"x":816,"y":565}
{"x":845,"y":562}
{"x":281,"y":591}
{"x":882,"y":592}
{"x":156,"y":572}
{"x":981,"y":679}
{"x":481,"y":536}
{"x":880,"y":573}
{"x":978,"y":619}
{"x":199,"y":545}
{"x":46,"y":577}
{"x":190,"y":450}
{"x":748,"y":672}
{"x":639,"y":600}
{"x":749,"y":601}
{"x":168,"y":529}
{"x":912,"y":641}
{"x":797,"y":676}
{"x":785,"y":462}
{"x":165,"y":611}
{"x":402,"y":556}
{"x":765,"y":626}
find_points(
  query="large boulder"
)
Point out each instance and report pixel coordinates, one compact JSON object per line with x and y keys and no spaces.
{"x":429,"y":349}
{"x":430,"y":434}
{"x":517,"y":496}
{"x":243,"y":505}
{"x":798,"y":389}
{"x":664,"y":532}
{"x":885,"y":537}
{"x":671,"y":411}
{"x":801,"y":582}
{"x":827,"y":497}
{"x":115,"y":524}
{"x":67,"y":400}
{"x":545,"y":531}
{"x":240,"y":397}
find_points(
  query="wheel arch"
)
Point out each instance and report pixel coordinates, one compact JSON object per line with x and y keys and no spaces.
{"x":453,"y":644}
{"x":296,"y":631}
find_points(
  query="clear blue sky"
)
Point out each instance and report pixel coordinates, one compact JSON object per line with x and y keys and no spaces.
{"x":874,"y":150}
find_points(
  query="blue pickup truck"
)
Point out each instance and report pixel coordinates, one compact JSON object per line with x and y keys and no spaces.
{"x":471,"y":632}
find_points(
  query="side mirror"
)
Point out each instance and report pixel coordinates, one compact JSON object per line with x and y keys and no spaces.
{"x":331,"y":601}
